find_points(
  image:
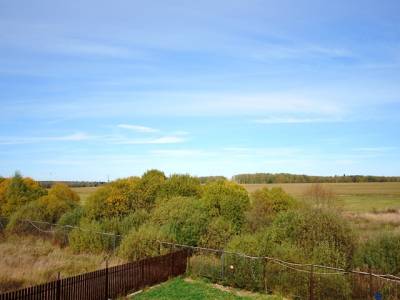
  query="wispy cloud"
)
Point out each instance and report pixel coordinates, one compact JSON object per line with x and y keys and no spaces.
{"x":168,"y":139}
{"x":295,"y":120}
{"x":79,"y":136}
{"x":138,"y":128}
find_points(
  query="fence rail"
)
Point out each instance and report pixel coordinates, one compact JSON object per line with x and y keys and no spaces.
{"x":109,"y":282}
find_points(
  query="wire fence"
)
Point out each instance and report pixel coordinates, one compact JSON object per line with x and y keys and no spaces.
{"x":267,"y":274}
{"x":293,"y":280}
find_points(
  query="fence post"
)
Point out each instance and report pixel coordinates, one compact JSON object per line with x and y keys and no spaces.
{"x":106,"y":286}
{"x":172,"y":253}
{"x":311,"y":282}
{"x":370,"y":290}
{"x":58,"y":287}
{"x":265,"y":275}
{"x":223,"y":265}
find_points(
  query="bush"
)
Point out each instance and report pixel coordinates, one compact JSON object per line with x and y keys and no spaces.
{"x":381,"y":254}
{"x":181,"y":185}
{"x":265,"y":205}
{"x":310,"y":228}
{"x":141,"y":243}
{"x":206,"y":265}
{"x":115,"y":199}
{"x":183,"y":218}
{"x":226,"y":199}
{"x":88,"y":238}
{"x":48,"y":208}
{"x":218,"y":234}
{"x":148,"y":189}
{"x":17,"y":191}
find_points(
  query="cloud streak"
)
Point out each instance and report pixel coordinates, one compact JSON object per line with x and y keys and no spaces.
{"x":138,"y":128}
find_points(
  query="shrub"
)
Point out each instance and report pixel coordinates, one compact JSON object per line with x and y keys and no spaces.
{"x":265,"y":205}
{"x":17,"y":191}
{"x":319,"y":196}
{"x":218,"y":233}
{"x":148,"y":189}
{"x":381,"y":254}
{"x":133,"y":221}
{"x":115,"y":199}
{"x":309,"y":228}
{"x":183,"y":218}
{"x":141,"y":243}
{"x":48,"y":208}
{"x":206,"y":265}
{"x":181,"y":185}
{"x":228,"y":200}
{"x":88,"y":238}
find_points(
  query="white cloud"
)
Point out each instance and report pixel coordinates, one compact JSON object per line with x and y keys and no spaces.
{"x":79,"y":136}
{"x":294,"y":120}
{"x":138,"y":128}
{"x":168,"y":139}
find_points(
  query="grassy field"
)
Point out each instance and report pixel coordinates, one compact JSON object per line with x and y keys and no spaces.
{"x":179,"y":288}
{"x":26,"y":261}
{"x":353,"y":197}
{"x":84,"y":192}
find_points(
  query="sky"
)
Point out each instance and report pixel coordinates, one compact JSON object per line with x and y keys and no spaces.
{"x":91,"y":90}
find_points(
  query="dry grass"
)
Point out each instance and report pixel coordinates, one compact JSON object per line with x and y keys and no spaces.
{"x":26,"y":261}
{"x":85,"y":192}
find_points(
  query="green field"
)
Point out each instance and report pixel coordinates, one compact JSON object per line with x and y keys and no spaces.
{"x":353,"y":197}
{"x":197,"y":290}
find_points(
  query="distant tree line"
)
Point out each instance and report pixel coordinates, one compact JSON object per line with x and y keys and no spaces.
{"x":49,"y":183}
{"x":207,"y":179}
{"x":294,"y":178}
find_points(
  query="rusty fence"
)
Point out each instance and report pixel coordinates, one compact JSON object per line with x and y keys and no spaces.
{"x":108,"y":283}
{"x":291,"y":280}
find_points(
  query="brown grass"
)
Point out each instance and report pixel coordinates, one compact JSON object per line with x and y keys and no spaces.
{"x":26,"y":261}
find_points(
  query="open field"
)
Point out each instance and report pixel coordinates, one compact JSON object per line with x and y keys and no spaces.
{"x":26,"y":261}
{"x":197,"y":290}
{"x":84,"y":192}
{"x":354,"y":197}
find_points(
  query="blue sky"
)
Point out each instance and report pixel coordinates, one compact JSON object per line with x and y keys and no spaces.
{"x":90,"y":89}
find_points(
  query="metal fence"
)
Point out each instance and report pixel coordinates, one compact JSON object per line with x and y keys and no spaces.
{"x":292,"y":280}
{"x":109,"y":282}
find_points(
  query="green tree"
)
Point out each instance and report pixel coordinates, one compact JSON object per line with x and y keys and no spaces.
{"x":226,"y":199}
{"x":266,"y":204}
{"x":142,"y":243}
{"x":183,"y":218}
{"x":218,"y":234}
{"x":148,"y":189}
{"x":181,"y":185}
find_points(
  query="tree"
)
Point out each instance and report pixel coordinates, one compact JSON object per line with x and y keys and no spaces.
{"x":148,"y":189}
{"x":266,"y":204}
{"x":18,"y":191}
{"x":181,"y":185}
{"x":183,"y":218}
{"x":116,"y":199}
{"x":226,"y":199}
{"x":218,"y":234}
